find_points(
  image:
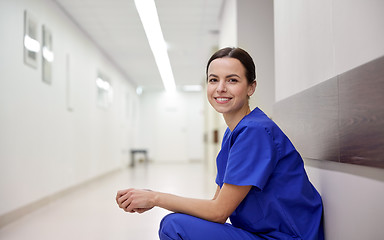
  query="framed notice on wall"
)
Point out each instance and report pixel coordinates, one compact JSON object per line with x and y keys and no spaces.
{"x":31,"y":42}
{"x":104,"y":91}
{"x":47,"y":55}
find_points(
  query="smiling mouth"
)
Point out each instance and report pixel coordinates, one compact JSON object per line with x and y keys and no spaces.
{"x":222,"y":99}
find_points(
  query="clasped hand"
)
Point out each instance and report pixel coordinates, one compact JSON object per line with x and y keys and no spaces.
{"x":135,"y":200}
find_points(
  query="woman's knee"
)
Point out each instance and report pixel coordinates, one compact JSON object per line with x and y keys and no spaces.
{"x":172,"y":226}
{"x":178,"y":226}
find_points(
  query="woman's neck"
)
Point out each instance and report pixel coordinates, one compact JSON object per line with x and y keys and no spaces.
{"x":232,"y":119}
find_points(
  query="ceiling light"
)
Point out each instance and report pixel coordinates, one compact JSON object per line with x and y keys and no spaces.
{"x":150,"y":20}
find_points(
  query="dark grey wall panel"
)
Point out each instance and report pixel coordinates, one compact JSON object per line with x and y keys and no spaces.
{"x":341,"y":119}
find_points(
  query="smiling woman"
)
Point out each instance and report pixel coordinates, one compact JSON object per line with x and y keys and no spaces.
{"x":262,"y":186}
{"x":229,"y":89}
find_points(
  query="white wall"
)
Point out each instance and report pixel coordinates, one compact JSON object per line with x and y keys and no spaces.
{"x":315,"y":41}
{"x":172,"y":126}
{"x":228,"y":24}
{"x":255,"y":34}
{"x":44,"y":147}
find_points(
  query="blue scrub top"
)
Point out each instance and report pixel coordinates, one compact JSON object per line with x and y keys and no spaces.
{"x":282,"y":204}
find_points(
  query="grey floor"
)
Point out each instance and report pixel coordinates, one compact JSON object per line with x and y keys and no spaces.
{"x":91,"y":213}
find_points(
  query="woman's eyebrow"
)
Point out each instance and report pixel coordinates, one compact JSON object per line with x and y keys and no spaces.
{"x":228,"y":76}
{"x":232,"y":75}
{"x":212,"y":75}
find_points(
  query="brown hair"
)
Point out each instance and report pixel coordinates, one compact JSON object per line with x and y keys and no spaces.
{"x":239,"y":54}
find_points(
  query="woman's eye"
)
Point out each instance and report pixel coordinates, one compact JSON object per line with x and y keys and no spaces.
{"x":212,"y":80}
{"x":233,"y":80}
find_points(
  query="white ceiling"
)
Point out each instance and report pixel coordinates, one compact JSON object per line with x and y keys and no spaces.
{"x":189,"y":27}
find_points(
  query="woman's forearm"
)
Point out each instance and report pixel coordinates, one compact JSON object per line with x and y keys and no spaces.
{"x":206,"y":209}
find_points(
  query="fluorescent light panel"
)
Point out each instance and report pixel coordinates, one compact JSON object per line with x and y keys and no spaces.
{"x":150,"y":20}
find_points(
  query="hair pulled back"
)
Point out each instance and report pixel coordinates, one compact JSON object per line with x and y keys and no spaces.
{"x":239,"y":54}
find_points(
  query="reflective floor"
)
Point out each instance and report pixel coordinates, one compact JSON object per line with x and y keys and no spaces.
{"x":91,"y":213}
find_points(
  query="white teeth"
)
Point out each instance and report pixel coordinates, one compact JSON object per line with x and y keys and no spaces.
{"x":222,"y":99}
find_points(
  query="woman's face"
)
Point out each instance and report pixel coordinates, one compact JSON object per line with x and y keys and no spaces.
{"x":228,"y":89}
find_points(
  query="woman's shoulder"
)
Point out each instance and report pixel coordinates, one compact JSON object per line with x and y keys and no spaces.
{"x":257,"y":123}
{"x":257,"y":119}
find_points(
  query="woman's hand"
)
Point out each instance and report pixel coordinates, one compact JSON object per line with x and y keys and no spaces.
{"x":218,"y":209}
{"x":135,"y":200}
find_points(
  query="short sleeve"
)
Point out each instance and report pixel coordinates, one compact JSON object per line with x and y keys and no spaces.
{"x":252,"y":157}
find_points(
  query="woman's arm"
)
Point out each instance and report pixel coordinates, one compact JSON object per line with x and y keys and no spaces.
{"x":215,"y":210}
{"x":217,"y":192}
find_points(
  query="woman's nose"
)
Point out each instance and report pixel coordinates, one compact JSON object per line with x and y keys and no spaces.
{"x":221,"y":87}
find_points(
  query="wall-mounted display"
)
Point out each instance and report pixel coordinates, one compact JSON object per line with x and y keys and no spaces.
{"x":47,"y":55}
{"x":31,"y":42}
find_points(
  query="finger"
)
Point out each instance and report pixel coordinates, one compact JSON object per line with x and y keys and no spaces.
{"x":119,"y":194}
{"x":117,"y":197}
{"x":131,"y":206}
{"x":123,"y":199}
{"x":139,"y":210}
{"x":124,"y":205}
{"x":122,"y":192}
{"x":128,"y":209}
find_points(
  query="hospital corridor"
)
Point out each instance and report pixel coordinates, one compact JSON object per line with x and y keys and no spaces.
{"x":253,"y":104}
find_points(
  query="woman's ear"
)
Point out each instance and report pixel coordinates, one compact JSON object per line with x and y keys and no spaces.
{"x":252,"y":88}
